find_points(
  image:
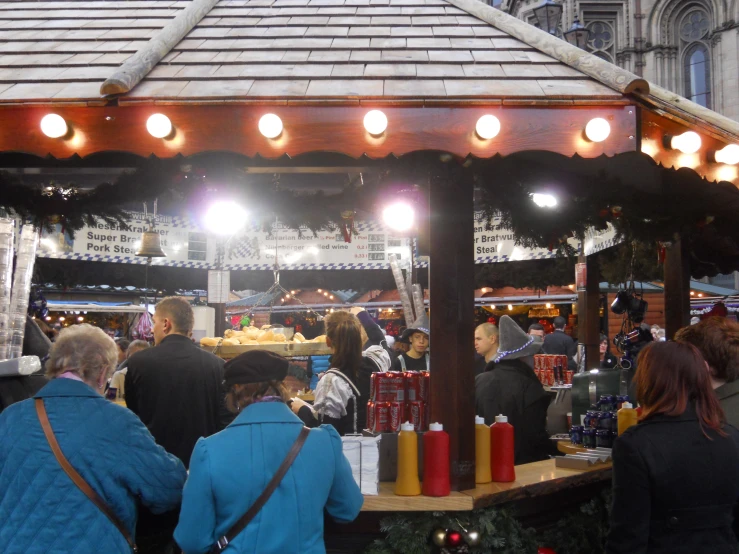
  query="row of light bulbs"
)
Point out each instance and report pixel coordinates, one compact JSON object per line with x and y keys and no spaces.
{"x":375,"y":123}
{"x":292,"y":294}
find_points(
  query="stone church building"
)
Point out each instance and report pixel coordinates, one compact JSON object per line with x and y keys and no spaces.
{"x":690,"y":47}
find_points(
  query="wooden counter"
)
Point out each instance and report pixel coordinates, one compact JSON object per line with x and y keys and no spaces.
{"x":536,"y":479}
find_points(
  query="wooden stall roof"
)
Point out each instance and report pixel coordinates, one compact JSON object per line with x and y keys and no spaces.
{"x":278,"y":49}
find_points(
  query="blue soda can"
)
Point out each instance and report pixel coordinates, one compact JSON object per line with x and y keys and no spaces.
{"x":604,"y":438}
{"x":588,"y":438}
{"x":576,"y":434}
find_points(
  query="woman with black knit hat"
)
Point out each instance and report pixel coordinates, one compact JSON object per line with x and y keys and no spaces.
{"x":230,"y":470}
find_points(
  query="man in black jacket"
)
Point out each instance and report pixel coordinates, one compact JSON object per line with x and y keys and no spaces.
{"x":176,"y":389}
{"x":510,"y":387}
{"x":561,"y":343}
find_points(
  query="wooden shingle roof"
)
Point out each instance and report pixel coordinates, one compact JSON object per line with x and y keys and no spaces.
{"x":270,"y":49}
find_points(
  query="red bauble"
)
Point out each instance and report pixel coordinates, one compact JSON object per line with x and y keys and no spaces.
{"x":546,"y":550}
{"x":453,"y":538}
{"x":491,"y":320}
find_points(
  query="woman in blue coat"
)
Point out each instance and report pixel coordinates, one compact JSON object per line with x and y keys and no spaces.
{"x":41,"y":510}
{"x":230,"y":469}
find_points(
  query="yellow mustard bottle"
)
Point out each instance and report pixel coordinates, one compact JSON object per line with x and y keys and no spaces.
{"x":407,"y":483}
{"x":627,"y":417}
{"x":482,"y":451}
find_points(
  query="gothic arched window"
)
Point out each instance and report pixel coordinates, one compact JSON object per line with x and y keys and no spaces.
{"x":696,"y":60}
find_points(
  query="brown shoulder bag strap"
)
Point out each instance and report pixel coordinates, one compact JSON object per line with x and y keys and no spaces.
{"x":259,"y":503}
{"x":76,"y":478}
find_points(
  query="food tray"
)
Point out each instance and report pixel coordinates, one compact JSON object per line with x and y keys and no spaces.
{"x":287,"y":349}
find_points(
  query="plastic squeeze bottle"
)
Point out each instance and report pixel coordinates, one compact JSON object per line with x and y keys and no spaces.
{"x":626,"y":417}
{"x":407,"y":483}
{"x":501,"y":450}
{"x":482,"y":451}
{"x":436,"y":461}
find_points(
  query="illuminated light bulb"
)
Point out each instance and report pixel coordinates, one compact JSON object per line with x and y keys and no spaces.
{"x":597,"y":129}
{"x":729,"y":154}
{"x":159,"y":126}
{"x":270,"y":126}
{"x":325,"y":294}
{"x":688,"y":143}
{"x":487,"y":127}
{"x":331,"y":297}
{"x":544,"y":200}
{"x":287,"y":296}
{"x":319,"y":290}
{"x":54,"y":126}
{"x":80,"y":319}
{"x":484,"y":290}
{"x":61,"y":318}
{"x":492,"y":306}
{"x":282,"y":299}
{"x":510,"y":307}
{"x":399,"y":216}
{"x":549,"y":305}
{"x":692,"y":293}
{"x":48,"y":318}
{"x":292,"y":292}
{"x":375,"y":122}
{"x":700,"y":294}
{"x":225,"y":218}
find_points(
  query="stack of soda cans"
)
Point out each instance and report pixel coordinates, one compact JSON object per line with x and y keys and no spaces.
{"x":551,"y":369}
{"x":600,"y":427}
{"x":396,"y":397}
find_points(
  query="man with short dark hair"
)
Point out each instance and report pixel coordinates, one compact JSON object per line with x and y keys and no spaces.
{"x":537,"y":331}
{"x":561,"y":343}
{"x":176,"y":389}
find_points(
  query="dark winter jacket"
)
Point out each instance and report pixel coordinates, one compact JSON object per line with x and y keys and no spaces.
{"x":511,"y":388}
{"x":674,"y":489}
{"x":563,"y":344}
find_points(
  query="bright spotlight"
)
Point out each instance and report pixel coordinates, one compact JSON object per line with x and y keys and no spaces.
{"x":53,"y":126}
{"x":399,"y":216}
{"x":544,"y":200}
{"x":159,"y":126}
{"x":270,"y":126}
{"x":488,"y":127}
{"x":597,"y":129}
{"x":375,"y":122}
{"x":225,"y":218}
{"x":688,"y":143}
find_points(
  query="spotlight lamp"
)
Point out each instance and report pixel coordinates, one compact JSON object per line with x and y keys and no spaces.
{"x":159,"y":126}
{"x":597,"y":129}
{"x":487,"y":127}
{"x":54,"y":126}
{"x":270,"y":126}
{"x":544,"y":200}
{"x":375,"y":122}
{"x":729,"y":155}
{"x":225,"y":218}
{"x":399,"y":216}
{"x":687,"y":143}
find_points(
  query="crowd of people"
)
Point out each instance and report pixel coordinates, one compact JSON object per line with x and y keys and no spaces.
{"x":203,"y":445}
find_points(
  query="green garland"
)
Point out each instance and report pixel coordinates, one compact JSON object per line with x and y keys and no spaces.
{"x":500,"y":532}
{"x":583,"y":531}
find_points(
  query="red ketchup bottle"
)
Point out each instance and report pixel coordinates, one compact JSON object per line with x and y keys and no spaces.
{"x":436,"y":461}
{"x":501,"y":451}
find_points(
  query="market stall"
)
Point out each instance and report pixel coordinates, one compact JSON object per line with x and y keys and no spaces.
{"x":439,"y":99}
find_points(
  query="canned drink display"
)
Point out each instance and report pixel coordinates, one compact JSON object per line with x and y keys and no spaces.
{"x":378,"y":414}
{"x":425,"y":386}
{"x":389,"y":387}
{"x":397,"y":411}
{"x":412,"y":382}
{"x":415,"y":414}
{"x":588,"y":438}
{"x":605,"y":421}
{"x":576,"y":434}
{"x":604,"y":438}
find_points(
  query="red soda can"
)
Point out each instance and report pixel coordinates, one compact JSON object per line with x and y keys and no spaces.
{"x":396,"y":416}
{"x":378,"y":417}
{"x":568,"y":376}
{"x":415,"y":414}
{"x":550,"y":377}
{"x":412,"y":386}
{"x":425,"y":386}
{"x":395,"y":386}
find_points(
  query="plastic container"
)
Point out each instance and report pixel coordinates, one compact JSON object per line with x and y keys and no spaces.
{"x":436,"y":461}
{"x":407,"y":482}
{"x":482,"y":451}
{"x":627,"y":417}
{"x":501,"y":451}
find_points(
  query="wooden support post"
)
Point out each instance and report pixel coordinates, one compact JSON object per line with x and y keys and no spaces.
{"x":220,"y":326}
{"x":677,"y":287}
{"x":588,"y":310}
{"x":451,"y":279}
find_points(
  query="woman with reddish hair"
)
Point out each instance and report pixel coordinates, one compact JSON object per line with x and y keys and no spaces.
{"x":676,"y":473}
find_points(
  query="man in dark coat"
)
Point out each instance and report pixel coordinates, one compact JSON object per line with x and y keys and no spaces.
{"x":561,"y":343}
{"x":510,"y":387}
{"x":176,"y":389}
